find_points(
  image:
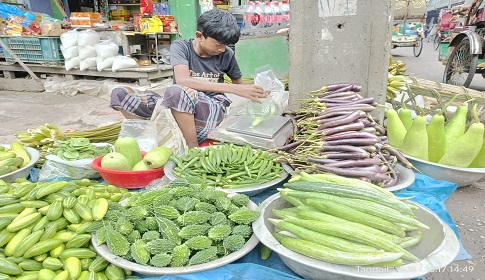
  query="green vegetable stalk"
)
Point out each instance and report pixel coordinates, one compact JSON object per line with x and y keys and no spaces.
{"x":415,"y":142}
{"x":466,"y":147}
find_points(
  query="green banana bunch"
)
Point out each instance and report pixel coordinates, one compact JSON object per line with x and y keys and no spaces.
{"x":42,"y":139}
{"x":396,"y":67}
{"x":396,"y":84}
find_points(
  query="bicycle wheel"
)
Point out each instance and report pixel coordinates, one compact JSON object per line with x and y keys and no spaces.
{"x":418,"y":47}
{"x":436,"y":42}
{"x":461,"y":65}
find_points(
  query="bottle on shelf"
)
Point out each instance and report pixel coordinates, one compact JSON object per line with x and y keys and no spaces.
{"x":257,"y":18}
{"x":278,"y":17}
{"x":248,"y":15}
{"x":268,"y":15}
{"x":285,"y":13}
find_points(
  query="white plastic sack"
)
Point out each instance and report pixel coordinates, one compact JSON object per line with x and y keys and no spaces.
{"x":70,"y":52}
{"x":72,"y":63}
{"x":69,"y":38}
{"x":87,"y":37}
{"x":87,"y":52}
{"x":104,"y":63}
{"x":107,"y":49}
{"x":87,"y":63}
{"x":123,"y":62}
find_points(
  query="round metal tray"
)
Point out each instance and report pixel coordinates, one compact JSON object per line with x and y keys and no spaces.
{"x":23,"y":172}
{"x":249,"y":191}
{"x":438,"y":247}
{"x":458,"y":175}
{"x":405,"y":176}
{"x":104,"y":252}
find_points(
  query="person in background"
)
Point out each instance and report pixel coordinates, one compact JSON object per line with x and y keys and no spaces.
{"x":196,"y":100}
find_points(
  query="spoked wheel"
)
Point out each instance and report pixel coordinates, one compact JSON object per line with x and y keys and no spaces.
{"x":418,"y":47}
{"x":436,"y":42}
{"x":461,"y":65}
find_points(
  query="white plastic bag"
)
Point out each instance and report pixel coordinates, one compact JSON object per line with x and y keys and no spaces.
{"x":104,"y":63}
{"x":144,"y":132}
{"x":274,"y":88}
{"x":87,"y":37}
{"x":123,"y":62}
{"x":169,"y":133}
{"x":70,"y":52}
{"x":72,"y":63}
{"x":55,"y":167}
{"x":69,"y":38}
{"x":107,"y":49}
{"x":87,"y":63}
{"x":87,"y":52}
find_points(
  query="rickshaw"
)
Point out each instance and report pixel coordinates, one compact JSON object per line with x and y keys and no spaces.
{"x":408,"y":34}
{"x":465,"y":51}
{"x":408,"y":25}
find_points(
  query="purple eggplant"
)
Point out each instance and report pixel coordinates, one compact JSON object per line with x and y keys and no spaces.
{"x":356,"y":162}
{"x":343,"y":121}
{"x":353,"y":142}
{"x":347,"y":127}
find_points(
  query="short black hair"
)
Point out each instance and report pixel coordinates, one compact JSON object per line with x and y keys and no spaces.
{"x":220,"y":25}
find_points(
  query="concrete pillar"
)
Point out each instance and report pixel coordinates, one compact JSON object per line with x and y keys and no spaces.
{"x":333,"y":41}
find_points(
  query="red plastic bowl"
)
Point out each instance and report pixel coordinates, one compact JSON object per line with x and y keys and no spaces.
{"x":127,"y":179}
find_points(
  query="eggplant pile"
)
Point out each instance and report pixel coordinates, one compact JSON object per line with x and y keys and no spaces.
{"x":334,"y":132}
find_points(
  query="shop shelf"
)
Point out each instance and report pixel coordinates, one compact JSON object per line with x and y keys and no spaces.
{"x":42,"y":50}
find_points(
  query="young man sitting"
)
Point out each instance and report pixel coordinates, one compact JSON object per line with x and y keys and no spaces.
{"x":197,"y":100}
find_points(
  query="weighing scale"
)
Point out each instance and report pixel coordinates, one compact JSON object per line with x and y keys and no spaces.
{"x":271,"y":133}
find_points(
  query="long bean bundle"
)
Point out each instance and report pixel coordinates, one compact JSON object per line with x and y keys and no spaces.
{"x":334,"y":132}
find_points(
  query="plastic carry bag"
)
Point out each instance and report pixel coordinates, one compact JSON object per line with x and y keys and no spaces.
{"x":270,"y":105}
{"x":57,"y":168}
{"x":169,"y":133}
{"x":144,"y":132}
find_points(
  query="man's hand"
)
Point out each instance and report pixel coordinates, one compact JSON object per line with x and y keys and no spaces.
{"x":249,"y":91}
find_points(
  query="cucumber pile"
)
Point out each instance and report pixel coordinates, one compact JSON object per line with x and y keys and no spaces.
{"x":182,"y":224}
{"x":45,"y":229}
{"x":346,"y":221}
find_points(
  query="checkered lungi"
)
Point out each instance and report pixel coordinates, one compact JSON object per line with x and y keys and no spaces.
{"x":208,"y":111}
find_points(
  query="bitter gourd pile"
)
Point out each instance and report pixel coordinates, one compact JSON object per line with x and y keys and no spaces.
{"x":184,"y":223}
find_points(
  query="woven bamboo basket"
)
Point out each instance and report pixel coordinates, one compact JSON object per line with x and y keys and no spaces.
{"x":436,"y":95}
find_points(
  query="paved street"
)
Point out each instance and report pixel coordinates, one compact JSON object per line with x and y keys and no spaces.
{"x":466,"y":205}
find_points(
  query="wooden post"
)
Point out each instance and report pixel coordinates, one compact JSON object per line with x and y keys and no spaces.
{"x":61,"y":8}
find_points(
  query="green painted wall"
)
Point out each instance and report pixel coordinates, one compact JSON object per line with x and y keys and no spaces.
{"x":185,"y":13}
{"x":252,"y":53}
